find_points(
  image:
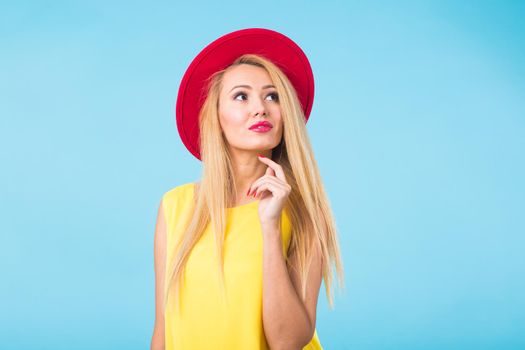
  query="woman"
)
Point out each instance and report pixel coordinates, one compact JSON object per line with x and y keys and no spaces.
{"x":240,"y":255}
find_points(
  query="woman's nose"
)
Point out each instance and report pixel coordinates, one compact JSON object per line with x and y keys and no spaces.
{"x":260,"y":109}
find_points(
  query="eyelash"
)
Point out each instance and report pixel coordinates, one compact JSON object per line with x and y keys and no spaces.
{"x":243,"y":93}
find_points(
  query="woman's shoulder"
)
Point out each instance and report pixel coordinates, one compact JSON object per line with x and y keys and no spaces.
{"x":178,"y":192}
{"x":176,"y":201}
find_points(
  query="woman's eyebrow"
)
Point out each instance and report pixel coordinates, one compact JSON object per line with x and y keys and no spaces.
{"x":249,"y":87}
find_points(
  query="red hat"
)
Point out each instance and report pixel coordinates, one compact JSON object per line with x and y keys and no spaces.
{"x":219,"y":54}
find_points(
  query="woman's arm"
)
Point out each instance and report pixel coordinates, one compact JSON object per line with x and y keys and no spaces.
{"x":157,"y":340}
{"x":289,"y":323}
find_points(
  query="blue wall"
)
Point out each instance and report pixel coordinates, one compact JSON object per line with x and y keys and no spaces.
{"x":418,"y":127}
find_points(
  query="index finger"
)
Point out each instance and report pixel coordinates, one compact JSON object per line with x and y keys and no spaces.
{"x":276,"y":167}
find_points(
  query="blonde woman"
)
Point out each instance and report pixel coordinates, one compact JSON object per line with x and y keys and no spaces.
{"x":240,"y":256}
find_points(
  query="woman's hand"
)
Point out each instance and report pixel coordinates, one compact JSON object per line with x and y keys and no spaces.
{"x":273,"y":191}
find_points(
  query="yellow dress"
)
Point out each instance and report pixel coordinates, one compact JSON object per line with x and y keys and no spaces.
{"x":204,"y":321}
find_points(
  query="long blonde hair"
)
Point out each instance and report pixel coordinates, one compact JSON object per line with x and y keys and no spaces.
{"x":311,"y":217}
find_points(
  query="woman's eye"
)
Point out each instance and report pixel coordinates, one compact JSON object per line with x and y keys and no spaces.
{"x":239,"y":94}
{"x":275,"y":96}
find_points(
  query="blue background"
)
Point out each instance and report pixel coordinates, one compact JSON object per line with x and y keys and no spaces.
{"x":418,"y":128}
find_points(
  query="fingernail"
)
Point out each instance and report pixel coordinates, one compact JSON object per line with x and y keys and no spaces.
{"x":260,"y":155}
{"x":248,"y":193}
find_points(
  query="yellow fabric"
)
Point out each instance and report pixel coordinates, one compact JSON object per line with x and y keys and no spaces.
{"x":204,"y":320}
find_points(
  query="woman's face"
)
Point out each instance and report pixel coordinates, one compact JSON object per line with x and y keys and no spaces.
{"x":241,"y":107}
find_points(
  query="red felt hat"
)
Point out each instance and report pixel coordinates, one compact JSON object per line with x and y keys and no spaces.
{"x":219,"y":54}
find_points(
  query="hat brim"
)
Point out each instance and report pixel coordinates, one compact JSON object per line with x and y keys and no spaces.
{"x":219,"y":54}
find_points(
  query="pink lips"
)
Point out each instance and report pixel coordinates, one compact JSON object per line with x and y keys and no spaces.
{"x":261,"y":127}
